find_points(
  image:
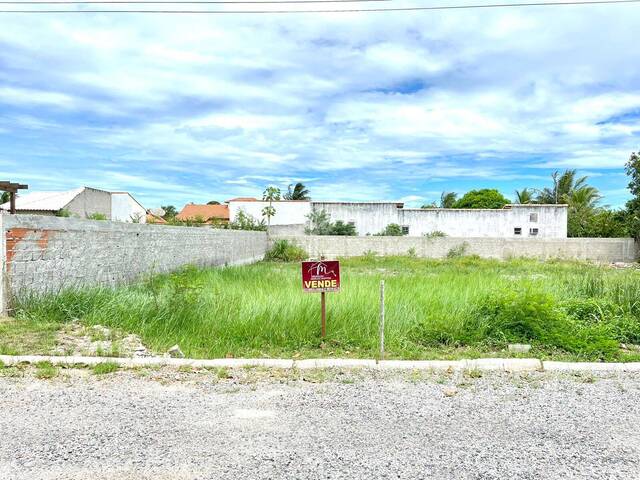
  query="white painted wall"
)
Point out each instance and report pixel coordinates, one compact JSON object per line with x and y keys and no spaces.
{"x":372,"y":218}
{"x":124,"y":208}
{"x":287,"y":212}
{"x":551,"y":222}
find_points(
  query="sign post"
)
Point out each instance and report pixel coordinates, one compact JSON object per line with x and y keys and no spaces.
{"x":321,"y":276}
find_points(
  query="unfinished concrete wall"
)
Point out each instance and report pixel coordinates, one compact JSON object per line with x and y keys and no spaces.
{"x":47,"y":254}
{"x":90,"y":201}
{"x":605,"y":250}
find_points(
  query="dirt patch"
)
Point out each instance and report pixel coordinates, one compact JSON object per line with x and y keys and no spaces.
{"x":97,"y":340}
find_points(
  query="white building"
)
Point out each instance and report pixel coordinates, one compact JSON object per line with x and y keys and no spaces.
{"x":82,"y":202}
{"x":370,"y":218}
{"x":288,"y":212}
{"x":125,"y":208}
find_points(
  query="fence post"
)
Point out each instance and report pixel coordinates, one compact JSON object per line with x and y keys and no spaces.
{"x":381,"y":319}
{"x":3,"y":268}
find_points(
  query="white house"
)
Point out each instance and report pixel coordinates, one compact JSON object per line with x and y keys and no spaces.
{"x":82,"y":202}
{"x":370,"y":218}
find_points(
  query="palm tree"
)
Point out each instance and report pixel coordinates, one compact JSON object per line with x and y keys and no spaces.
{"x":563,"y":187}
{"x":447,"y":199}
{"x":299,"y":192}
{"x":586,"y":197}
{"x":524,"y":196}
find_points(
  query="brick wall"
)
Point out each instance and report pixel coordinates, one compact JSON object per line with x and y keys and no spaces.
{"x":604,"y":250}
{"x":46,"y":254}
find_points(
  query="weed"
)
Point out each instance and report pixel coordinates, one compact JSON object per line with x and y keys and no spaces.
{"x":284,"y":251}
{"x":458,"y":251}
{"x":105,"y":368}
{"x":46,"y":370}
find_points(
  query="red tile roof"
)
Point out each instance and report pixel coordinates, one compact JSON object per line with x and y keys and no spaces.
{"x":206,"y":212}
{"x":243,"y":199}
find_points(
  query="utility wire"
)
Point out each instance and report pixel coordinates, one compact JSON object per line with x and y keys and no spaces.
{"x":353,"y":10}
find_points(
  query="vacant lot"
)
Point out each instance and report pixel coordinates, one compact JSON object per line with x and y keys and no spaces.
{"x":435,"y":309}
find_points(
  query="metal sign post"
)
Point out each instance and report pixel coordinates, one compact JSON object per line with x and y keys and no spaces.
{"x":321,"y":276}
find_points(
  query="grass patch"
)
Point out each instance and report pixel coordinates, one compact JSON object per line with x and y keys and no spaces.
{"x":26,"y":336}
{"x":462,"y":307}
{"x":46,"y":370}
{"x":105,"y":368}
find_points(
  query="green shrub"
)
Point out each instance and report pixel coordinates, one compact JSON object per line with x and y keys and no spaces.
{"x":284,"y":251}
{"x":434,"y":234}
{"x":97,"y":216}
{"x":391,"y":230}
{"x":529,"y":316}
{"x":458,"y":251}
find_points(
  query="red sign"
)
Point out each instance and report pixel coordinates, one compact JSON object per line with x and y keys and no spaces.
{"x":321,"y":276}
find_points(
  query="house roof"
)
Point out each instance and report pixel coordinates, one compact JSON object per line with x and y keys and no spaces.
{"x":191,"y":211}
{"x":44,"y":201}
{"x":242,"y":199}
{"x":152,"y":218}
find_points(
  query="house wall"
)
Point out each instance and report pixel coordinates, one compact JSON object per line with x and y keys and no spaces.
{"x":90,"y":201}
{"x":551,"y":222}
{"x":373,"y":218}
{"x":369,"y":218}
{"x":605,"y":250}
{"x":124,"y":208}
{"x":47,"y":254}
{"x":287,"y":212}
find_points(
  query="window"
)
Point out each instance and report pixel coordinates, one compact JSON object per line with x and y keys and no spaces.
{"x":533,"y":217}
{"x":517,"y":231}
{"x":405,"y":230}
{"x":533,"y":231}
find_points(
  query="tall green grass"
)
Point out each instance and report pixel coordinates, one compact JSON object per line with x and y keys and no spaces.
{"x":567,"y":307}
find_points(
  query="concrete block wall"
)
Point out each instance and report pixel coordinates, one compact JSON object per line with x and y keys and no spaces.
{"x":46,"y":254}
{"x":603,"y":250}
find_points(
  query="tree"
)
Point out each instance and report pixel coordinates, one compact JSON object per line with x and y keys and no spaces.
{"x":213,"y":202}
{"x":5,"y":197}
{"x":448,"y":199}
{"x":169,"y":211}
{"x":485,"y":198}
{"x":429,"y":205}
{"x":392,"y":230}
{"x":341,"y":228}
{"x":299,"y":192}
{"x":524,"y":196}
{"x":319,"y":223}
{"x":271,"y":194}
{"x":632,"y":168}
{"x":563,"y":187}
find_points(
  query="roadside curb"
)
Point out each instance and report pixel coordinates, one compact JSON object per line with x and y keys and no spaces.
{"x":483,"y":364}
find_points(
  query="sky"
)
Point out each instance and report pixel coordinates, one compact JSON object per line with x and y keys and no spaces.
{"x":357,"y":106}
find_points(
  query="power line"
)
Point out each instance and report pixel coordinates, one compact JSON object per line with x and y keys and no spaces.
{"x":353,"y":10}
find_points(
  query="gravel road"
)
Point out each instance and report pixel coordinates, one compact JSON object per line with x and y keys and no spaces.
{"x":257,"y":425}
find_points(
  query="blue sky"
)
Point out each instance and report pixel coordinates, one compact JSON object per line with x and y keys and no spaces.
{"x":386,"y":106}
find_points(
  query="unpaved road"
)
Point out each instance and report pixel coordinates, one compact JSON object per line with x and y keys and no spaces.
{"x":357,"y":426}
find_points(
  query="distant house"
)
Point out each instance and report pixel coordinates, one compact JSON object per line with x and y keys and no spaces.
{"x":204,"y":213}
{"x":83,"y":202}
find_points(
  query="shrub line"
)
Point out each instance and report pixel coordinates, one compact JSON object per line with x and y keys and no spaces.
{"x":485,"y":364}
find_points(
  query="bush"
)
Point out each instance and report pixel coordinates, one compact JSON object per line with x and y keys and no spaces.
{"x":97,"y":216}
{"x":391,"y":230}
{"x":434,"y":234}
{"x":284,"y":251}
{"x":341,"y":228}
{"x":529,"y":316}
{"x":458,"y":251}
